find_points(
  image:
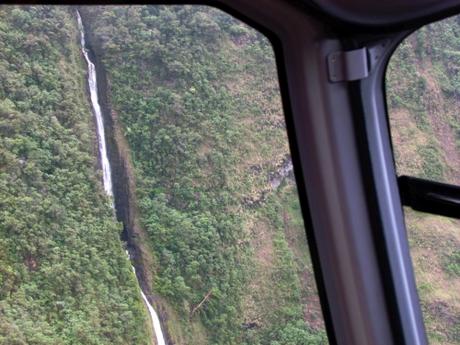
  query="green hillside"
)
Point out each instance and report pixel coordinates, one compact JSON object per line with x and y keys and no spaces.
{"x":423,"y":89}
{"x":196,"y":97}
{"x":198,"y":136}
{"x":64,"y":277}
{"x":201,"y":163}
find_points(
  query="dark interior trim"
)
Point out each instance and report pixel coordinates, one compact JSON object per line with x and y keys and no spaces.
{"x":381,"y":16}
{"x":430,"y":196}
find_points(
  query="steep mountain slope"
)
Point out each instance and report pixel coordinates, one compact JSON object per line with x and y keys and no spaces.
{"x":64,"y":276}
{"x":423,"y":88}
{"x":195,"y":97}
{"x":200,"y":149}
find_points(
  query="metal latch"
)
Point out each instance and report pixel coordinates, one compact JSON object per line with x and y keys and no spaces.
{"x":348,"y":65}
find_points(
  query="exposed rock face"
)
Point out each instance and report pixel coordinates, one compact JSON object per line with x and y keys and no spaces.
{"x":284,"y":170}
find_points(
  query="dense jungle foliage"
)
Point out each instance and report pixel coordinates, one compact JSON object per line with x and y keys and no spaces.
{"x":197,"y":100}
{"x":423,"y":89}
{"x":64,"y":277}
{"x":197,"y":97}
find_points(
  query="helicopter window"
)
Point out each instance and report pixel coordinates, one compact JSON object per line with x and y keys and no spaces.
{"x":423,"y":98}
{"x":171,"y":115}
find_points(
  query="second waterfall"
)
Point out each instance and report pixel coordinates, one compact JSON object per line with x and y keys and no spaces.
{"x":105,"y":162}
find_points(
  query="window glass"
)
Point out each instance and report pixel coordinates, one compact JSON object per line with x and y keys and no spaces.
{"x":423,"y":97}
{"x":146,"y":186}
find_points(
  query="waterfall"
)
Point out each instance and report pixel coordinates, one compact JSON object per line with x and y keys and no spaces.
{"x":107,"y":174}
{"x":92,"y":83}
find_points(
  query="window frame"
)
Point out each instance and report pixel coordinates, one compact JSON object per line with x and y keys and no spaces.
{"x":350,"y":199}
{"x":400,"y":315}
{"x":392,"y":315}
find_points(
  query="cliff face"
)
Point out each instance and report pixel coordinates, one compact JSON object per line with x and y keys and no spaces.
{"x":198,"y":150}
{"x":197,"y":105}
{"x":196,"y":100}
{"x":122,"y":170}
{"x":64,"y":276}
{"x":124,"y":186}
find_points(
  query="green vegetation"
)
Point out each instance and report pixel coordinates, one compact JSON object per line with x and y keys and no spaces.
{"x":279,"y":226}
{"x":197,"y":98}
{"x":432,"y":166}
{"x":195,"y":95}
{"x":423,"y":88}
{"x":64,"y":277}
{"x":453,"y":263}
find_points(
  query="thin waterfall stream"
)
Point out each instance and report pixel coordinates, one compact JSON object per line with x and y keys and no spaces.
{"x":105,"y":162}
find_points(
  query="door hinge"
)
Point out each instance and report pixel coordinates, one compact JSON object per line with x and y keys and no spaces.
{"x":355,"y":64}
{"x":348,"y":65}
